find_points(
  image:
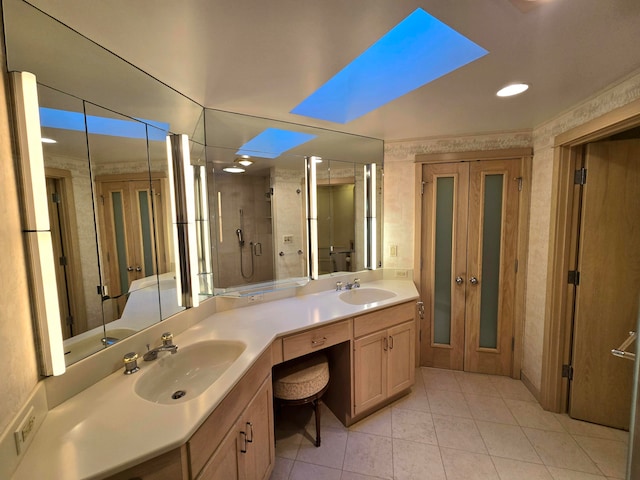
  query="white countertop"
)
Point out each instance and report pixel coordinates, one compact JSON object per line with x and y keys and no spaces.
{"x":108,"y":427}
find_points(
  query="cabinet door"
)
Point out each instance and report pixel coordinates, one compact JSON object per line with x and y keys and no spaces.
{"x":224,"y":465}
{"x":401,"y":357}
{"x":370,"y":371}
{"x":257,"y":445}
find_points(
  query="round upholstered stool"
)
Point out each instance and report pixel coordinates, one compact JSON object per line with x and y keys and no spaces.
{"x":301,"y":381}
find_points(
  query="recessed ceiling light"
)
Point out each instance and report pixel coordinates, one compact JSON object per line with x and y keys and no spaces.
{"x":47,"y":140}
{"x":513,"y":89}
{"x":233,"y":170}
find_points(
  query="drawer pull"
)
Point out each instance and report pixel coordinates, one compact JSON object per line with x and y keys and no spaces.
{"x":244,"y":442}
{"x":390,"y":342}
{"x":250,"y":425}
{"x":319,"y":341}
{"x":386,"y":344}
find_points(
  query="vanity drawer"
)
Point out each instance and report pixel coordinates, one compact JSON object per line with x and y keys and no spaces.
{"x":382,"y":319}
{"x":312,"y":340}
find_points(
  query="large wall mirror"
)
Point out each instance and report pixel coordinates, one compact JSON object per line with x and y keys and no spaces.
{"x":259,"y":204}
{"x":251,"y":228}
{"x":107,"y":181}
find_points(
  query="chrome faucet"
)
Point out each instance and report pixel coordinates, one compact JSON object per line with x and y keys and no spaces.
{"x":355,"y":284}
{"x":167,"y":346}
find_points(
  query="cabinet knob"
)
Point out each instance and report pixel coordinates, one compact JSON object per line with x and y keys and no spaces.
{"x":473,"y":280}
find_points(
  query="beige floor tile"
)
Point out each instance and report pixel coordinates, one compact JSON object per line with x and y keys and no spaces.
{"x":442,"y":402}
{"x":281,"y":469}
{"x":416,"y":461}
{"x":355,"y":476}
{"x":558,"y":449}
{"x":489,"y":409}
{"x":508,"y":441}
{"x":532,"y":415}
{"x":477,"y":384}
{"x":577,"y":427}
{"x":460,"y":465}
{"x":378,"y":423}
{"x":330,"y":453}
{"x":458,"y":432}
{"x":564,"y":474}
{"x":513,"y":389}
{"x":288,"y":443}
{"x":419,"y":381}
{"x":609,"y":455}
{"x":415,"y":400}
{"x":413,"y":426}
{"x":516,"y":470}
{"x":369,"y":455}
{"x":307,"y":471}
{"x":438,"y":379}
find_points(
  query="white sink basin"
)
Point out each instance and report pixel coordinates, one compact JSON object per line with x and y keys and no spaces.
{"x":186,"y":374}
{"x":362,"y":296}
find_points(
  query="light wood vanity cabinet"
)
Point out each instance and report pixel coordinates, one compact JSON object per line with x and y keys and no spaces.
{"x":384,"y":355}
{"x":247,"y":452}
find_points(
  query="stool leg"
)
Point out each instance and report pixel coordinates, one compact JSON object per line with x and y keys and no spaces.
{"x":317,"y":412}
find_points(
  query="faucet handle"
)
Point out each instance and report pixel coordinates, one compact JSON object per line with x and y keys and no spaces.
{"x":338,"y":286}
{"x":167,"y":339}
{"x":130,"y":363}
{"x":356,"y":282}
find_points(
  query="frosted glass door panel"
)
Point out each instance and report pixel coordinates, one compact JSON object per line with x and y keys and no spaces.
{"x":443,"y":260}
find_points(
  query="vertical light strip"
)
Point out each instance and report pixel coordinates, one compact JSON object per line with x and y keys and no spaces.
{"x":44,"y":291}
{"x":181,"y":190}
{"x":204,"y":234}
{"x":312,"y":215}
{"x":370,"y":219}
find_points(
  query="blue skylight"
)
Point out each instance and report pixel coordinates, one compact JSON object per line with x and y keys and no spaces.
{"x":415,"y":52}
{"x":273,"y":142}
{"x":62,"y":119}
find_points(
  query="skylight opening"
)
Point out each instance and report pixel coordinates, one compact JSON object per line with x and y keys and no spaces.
{"x":273,"y":142}
{"x":417,"y":51}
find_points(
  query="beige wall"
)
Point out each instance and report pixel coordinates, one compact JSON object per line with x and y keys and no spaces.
{"x":399,"y":194}
{"x":17,"y":354}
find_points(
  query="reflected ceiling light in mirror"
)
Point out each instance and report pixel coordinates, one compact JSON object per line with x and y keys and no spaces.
{"x":273,"y":142}
{"x":513,"y":89}
{"x":115,"y":127}
{"x":244,"y":161}
{"x":415,"y":52}
{"x":47,"y":140}
{"x":233,"y":170}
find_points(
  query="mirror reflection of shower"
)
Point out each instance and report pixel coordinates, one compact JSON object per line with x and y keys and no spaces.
{"x":240,"y":235}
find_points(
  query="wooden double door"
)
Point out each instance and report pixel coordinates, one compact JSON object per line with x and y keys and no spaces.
{"x":469,"y":264}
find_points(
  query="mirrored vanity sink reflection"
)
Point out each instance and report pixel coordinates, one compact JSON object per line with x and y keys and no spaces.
{"x":183,"y":376}
{"x":362,"y":296}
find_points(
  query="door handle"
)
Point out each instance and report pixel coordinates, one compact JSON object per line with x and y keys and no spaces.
{"x":386,"y":344}
{"x":129,"y":269}
{"x":473,"y":280}
{"x":459,"y":281}
{"x":390,"y":342}
{"x":138,"y":269}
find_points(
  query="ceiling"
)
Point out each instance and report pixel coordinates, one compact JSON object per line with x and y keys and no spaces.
{"x":264,"y":57}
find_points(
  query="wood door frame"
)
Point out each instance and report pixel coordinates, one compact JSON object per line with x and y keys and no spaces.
{"x":525,"y":157}
{"x":70,"y":233}
{"x":558,"y":320}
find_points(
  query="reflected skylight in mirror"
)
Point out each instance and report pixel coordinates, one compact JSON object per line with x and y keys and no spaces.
{"x":273,"y":142}
{"x":415,"y":52}
{"x":66,"y":120}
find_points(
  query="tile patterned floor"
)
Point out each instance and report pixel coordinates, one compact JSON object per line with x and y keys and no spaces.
{"x":453,"y":425}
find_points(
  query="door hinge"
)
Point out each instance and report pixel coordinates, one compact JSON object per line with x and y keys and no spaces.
{"x":573,"y":278}
{"x":567,"y":372}
{"x":580,"y":176}
{"x":519,"y":180}
{"x":55,"y":197}
{"x":70,"y":321}
{"x":63,"y":261}
{"x":422,"y":188}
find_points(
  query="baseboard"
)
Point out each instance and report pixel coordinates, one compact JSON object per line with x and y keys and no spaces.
{"x":527,"y":383}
